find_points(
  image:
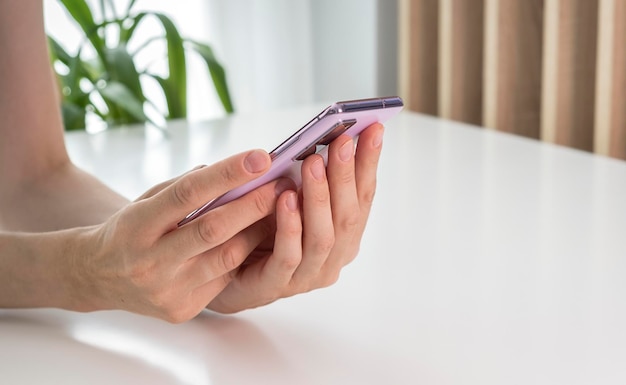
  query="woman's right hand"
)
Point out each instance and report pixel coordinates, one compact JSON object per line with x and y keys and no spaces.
{"x":140,"y":261}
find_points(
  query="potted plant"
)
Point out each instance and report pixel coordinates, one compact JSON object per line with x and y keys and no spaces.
{"x":102,"y":77}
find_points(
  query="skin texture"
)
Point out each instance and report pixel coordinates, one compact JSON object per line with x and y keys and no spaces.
{"x":54,"y":252}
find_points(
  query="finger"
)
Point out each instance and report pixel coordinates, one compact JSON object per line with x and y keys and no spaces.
{"x":214,"y":263}
{"x":345,"y":206}
{"x":157,"y":188}
{"x":190,"y":303}
{"x":318,"y":233}
{"x":200,"y":186}
{"x":342,"y":183}
{"x":205,"y":294}
{"x":279,"y":269}
{"x":265,"y":281}
{"x":222,"y":223}
{"x":366,"y":164}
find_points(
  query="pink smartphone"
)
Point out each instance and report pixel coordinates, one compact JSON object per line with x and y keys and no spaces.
{"x":347,"y":117}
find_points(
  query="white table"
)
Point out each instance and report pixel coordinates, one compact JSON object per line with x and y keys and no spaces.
{"x":489,"y":259}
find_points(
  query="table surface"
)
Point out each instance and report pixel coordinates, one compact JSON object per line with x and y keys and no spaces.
{"x":488,"y":259}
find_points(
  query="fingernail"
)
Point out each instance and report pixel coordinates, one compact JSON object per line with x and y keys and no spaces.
{"x":317,"y":169}
{"x":346,"y":151}
{"x":256,"y":161}
{"x":283,"y":185}
{"x":292,"y":201}
{"x":198,"y":167}
{"x":378,"y":139}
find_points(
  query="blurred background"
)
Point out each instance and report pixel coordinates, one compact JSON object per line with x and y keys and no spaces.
{"x":276,"y":53}
{"x":551,"y":70}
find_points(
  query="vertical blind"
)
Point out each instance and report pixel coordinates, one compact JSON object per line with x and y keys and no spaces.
{"x":553,"y":70}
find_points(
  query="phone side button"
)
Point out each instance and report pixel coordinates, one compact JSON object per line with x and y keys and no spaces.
{"x":284,"y":147}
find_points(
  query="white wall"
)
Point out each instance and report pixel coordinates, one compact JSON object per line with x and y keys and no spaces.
{"x":282,"y":53}
{"x":266,"y":47}
{"x":345,"y":48}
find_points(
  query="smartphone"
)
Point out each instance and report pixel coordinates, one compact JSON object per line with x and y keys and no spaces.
{"x":347,"y":117}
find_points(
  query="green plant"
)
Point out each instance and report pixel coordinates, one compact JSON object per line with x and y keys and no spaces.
{"x":102,"y":78}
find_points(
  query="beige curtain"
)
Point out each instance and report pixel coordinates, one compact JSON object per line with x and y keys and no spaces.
{"x":553,"y":70}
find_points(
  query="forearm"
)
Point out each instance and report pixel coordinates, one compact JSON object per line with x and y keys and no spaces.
{"x":39,"y":270}
{"x":30,"y":119}
{"x":40,"y":189}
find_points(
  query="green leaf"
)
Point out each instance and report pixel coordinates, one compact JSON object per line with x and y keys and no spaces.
{"x":94,"y":69}
{"x":175,"y":85}
{"x":112,"y":7}
{"x":218,"y":75}
{"x":73,"y":116}
{"x":122,"y":69}
{"x":58,"y":52}
{"x":171,"y":95}
{"x":130,"y":6}
{"x":126,"y":33}
{"x":118,"y":94}
{"x":81,"y":13}
{"x":115,"y":81}
{"x":177,"y":79}
{"x":76,"y":66}
{"x":75,"y":74}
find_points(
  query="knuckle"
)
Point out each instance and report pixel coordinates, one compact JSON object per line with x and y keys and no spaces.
{"x":346,"y":178}
{"x":290,"y":263}
{"x":185,"y":192}
{"x":292,"y":229}
{"x":324,"y":245}
{"x":229,"y":258}
{"x":329,"y":278}
{"x":261,"y":203}
{"x":229,"y":175}
{"x":297,"y":287}
{"x":320,"y":198}
{"x":350,"y":221}
{"x":210,"y":232}
{"x":368,"y":194}
{"x":351,"y":257}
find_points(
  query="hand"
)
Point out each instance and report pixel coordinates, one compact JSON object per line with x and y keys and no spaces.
{"x":140,"y":261}
{"x":316,"y":234}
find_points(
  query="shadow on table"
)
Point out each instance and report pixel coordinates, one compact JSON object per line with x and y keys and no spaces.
{"x":118,"y":347}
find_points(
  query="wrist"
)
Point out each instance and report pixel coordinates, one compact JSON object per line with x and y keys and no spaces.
{"x":80,"y":287}
{"x":47,"y":270}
